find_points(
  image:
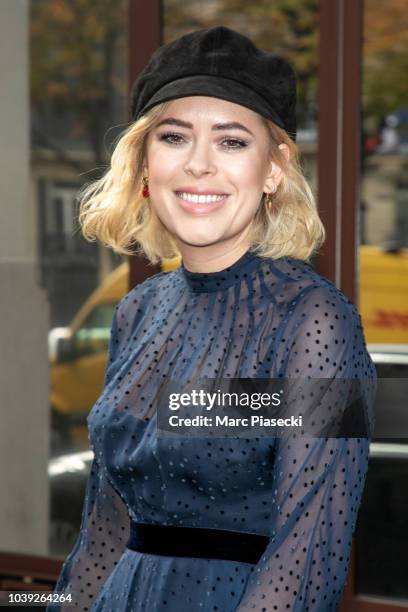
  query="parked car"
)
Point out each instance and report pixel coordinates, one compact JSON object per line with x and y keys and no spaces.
{"x":68,"y":475}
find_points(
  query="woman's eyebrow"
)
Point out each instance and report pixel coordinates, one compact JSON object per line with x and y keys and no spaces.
{"x":231,"y":125}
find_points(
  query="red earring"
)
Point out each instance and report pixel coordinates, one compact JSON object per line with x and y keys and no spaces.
{"x":145,"y":192}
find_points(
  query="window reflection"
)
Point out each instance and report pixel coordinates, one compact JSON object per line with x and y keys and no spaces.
{"x":384,"y":189}
{"x":381,"y":543}
{"x":79,"y":106}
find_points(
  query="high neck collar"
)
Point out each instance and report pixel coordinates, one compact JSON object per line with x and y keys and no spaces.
{"x":201,"y":282}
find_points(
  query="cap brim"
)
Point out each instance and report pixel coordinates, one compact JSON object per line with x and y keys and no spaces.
{"x":214,"y":87}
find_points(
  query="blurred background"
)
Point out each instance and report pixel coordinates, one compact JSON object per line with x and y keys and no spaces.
{"x":66,"y":68}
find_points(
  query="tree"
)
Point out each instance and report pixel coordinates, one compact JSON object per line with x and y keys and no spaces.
{"x":385,"y":84}
{"x":78,"y":65}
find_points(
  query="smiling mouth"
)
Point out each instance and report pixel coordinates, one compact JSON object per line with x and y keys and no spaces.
{"x":200,"y":199}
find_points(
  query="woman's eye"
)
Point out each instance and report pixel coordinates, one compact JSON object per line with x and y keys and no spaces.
{"x":171,"y":138}
{"x":234,"y":143}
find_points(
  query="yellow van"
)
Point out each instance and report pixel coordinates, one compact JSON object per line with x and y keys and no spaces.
{"x":78,"y":356}
{"x":383,"y":295}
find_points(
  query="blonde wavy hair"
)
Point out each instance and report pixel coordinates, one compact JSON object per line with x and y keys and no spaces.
{"x":114,"y":211}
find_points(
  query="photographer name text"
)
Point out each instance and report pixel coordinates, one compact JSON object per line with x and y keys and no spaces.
{"x":226,"y":421}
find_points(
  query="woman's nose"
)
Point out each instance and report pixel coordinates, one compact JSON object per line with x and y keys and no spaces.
{"x":199,"y":161}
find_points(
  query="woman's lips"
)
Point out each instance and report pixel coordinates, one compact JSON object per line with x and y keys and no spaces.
{"x":199,"y":202}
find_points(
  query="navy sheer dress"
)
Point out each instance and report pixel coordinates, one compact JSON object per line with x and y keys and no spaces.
{"x":258,"y":318}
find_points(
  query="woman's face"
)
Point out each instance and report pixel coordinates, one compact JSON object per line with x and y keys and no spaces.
{"x":208,"y":164}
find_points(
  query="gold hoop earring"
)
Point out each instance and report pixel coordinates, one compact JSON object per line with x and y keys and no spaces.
{"x":269,"y":198}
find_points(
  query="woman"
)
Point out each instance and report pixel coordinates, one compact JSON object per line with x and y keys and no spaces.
{"x":209,"y":170}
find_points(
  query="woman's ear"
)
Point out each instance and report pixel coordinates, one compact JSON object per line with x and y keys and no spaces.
{"x":285,"y":150}
{"x":275,"y":173}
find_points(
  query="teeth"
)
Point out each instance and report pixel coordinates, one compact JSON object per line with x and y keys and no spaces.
{"x":199,"y":199}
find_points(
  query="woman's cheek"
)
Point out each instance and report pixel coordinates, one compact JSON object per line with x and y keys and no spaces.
{"x":246,"y":171}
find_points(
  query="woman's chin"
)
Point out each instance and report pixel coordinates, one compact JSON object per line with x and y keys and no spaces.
{"x":199,"y":243}
{"x":198,"y":240}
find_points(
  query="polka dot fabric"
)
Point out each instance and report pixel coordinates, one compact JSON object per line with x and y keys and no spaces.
{"x":258,"y":318}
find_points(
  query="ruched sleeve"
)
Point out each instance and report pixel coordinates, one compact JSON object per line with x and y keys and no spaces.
{"x":317,"y":481}
{"x":104,"y":529}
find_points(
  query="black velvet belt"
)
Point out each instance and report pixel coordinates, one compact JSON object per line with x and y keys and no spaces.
{"x":196,"y":542}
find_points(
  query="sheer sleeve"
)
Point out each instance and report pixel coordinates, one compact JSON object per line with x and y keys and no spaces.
{"x":317,"y":481}
{"x":104,"y":529}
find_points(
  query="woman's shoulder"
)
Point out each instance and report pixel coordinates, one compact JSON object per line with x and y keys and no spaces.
{"x":302,"y":285}
{"x":144,"y":296}
{"x":159,"y":283}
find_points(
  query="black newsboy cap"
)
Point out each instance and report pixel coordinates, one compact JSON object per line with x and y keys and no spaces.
{"x":220,"y":63}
